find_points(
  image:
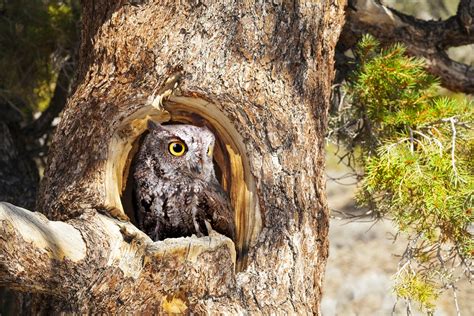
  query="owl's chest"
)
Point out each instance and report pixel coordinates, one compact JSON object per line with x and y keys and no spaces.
{"x":175,"y":208}
{"x":182,"y":193}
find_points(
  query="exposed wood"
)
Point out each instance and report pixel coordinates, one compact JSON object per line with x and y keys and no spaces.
{"x":428,"y":39}
{"x":259,"y":74}
{"x":80,"y":262}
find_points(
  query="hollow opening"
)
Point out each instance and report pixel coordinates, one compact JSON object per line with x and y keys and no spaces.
{"x":230,"y":163}
{"x":220,"y":160}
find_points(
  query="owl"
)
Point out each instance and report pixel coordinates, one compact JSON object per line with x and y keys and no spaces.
{"x":175,"y":188}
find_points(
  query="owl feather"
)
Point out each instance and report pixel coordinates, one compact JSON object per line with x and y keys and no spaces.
{"x":175,"y":187}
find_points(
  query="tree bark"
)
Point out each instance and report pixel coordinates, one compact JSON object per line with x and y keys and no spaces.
{"x":259,"y":75}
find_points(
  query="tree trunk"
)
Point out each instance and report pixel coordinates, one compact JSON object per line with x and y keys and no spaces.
{"x":259,"y":75}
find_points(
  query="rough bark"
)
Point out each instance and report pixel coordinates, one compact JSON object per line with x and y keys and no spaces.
{"x":259,"y":74}
{"x":125,"y":272}
{"x":428,"y":39}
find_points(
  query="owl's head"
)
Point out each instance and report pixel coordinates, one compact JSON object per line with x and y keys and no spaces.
{"x":182,"y":150}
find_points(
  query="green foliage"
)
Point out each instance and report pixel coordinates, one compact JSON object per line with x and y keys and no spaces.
{"x":416,"y":181}
{"x":415,"y":287}
{"x":390,"y":87}
{"x":35,"y":38}
{"x":416,"y":153}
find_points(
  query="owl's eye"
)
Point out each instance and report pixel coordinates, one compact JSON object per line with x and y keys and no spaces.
{"x":177,"y":148}
{"x":209,"y":151}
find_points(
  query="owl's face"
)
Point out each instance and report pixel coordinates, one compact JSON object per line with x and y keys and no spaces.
{"x":182,"y":150}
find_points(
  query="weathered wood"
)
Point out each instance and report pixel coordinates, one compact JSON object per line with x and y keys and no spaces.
{"x":80,"y":262}
{"x":259,"y":75}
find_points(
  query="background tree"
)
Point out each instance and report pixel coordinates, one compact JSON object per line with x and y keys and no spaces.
{"x":411,"y":150}
{"x":428,"y":39}
{"x":39,"y":41}
{"x":386,"y":97}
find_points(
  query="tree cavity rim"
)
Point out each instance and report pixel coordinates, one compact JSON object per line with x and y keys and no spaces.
{"x":230,"y":155}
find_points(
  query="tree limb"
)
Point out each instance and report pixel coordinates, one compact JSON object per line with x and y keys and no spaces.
{"x":109,"y":265}
{"x":30,"y":247}
{"x":428,"y":39}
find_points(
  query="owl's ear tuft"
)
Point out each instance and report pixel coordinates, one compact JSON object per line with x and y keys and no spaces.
{"x":154,"y":126}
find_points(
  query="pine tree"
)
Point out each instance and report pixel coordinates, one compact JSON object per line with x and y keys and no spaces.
{"x":415,"y":148}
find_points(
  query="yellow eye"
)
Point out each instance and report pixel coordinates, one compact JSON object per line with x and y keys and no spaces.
{"x":177,"y":148}
{"x":210,"y":151}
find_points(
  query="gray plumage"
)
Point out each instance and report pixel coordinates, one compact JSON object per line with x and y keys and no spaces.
{"x":176,"y":194}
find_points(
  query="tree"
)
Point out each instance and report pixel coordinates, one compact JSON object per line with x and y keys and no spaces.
{"x":262,"y":86}
{"x":393,"y":103}
{"x":428,"y":39}
{"x":259,"y":75}
{"x":411,"y":149}
{"x":38,"y":57}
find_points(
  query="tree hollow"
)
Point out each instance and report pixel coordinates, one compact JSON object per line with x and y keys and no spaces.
{"x":229,"y":156}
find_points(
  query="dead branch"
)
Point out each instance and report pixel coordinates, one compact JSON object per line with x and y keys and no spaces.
{"x":428,"y":39}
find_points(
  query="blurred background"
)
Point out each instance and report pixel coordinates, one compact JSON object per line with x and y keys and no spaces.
{"x":39,"y":41}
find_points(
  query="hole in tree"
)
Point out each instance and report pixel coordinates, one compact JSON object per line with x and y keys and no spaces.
{"x":220,"y":161}
{"x":232,"y":167}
